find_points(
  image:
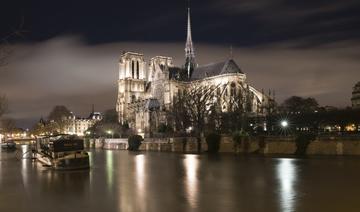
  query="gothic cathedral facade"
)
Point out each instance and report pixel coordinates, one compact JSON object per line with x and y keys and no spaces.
{"x":146,"y":91}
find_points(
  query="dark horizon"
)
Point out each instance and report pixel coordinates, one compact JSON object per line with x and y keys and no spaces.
{"x":68,"y":54}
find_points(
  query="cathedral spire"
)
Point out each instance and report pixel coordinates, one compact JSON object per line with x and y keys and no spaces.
{"x":189,"y":48}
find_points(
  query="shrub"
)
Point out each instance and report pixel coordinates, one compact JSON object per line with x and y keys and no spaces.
{"x":240,"y":138}
{"x":261,"y":142}
{"x":134,"y":142}
{"x":163,"y":128}
{"x":302,"y":142}
{"x":213,"y":142}
{"x":237,"y":137}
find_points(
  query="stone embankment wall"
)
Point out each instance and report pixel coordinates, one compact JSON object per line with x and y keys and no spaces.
{"x":261,"y":145}
{"x":188,"y":145}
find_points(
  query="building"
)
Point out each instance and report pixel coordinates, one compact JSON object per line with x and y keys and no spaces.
{"x":78,"y":126}
{"x":145,"y":91}
{"x":355,"y":99}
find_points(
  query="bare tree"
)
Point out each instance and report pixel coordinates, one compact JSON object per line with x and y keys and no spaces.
{"x":109,"y":123}
{"x":8,"y":125}
{"x":5,"y":51}
{"x":5,"y":44}
{"x":193,"y":107}
{"x":239,"y":106}
{"x":59,"y":119}
{"x":178,"y":114}
{"x":3,"y":105}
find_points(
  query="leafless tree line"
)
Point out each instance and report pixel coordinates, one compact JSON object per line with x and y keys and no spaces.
{"x":5,"y":52}
{"x":206,"y":108}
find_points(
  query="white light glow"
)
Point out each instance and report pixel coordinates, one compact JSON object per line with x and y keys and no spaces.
{"x":287,"y":176}
{"x":109,"y":169}
{"x":191,"y":165}
{"x":141,"y":180}
{"x":284,"y":123}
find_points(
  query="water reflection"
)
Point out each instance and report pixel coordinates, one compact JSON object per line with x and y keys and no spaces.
{"x":287,"y":176}
{"x":110,"y":169}
{"x":25,"y":158}
{"x":191,"y":165}
{"x":165,"y":182}
{"x":140,"y":181}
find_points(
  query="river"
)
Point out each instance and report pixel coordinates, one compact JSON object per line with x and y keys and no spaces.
{"x":158,"y":181}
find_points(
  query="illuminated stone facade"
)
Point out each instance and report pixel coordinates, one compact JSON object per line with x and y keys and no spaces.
{"x":146,"y":91}
{"x":78,"y":126}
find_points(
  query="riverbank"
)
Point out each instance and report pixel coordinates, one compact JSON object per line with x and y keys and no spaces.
{"x":260,"y":145}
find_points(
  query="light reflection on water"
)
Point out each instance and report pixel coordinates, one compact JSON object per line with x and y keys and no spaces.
{"x":191,"y":166}
{"x":162,"y":182}
{"x":110,"y":169}
{"x":287,"y":176}
{"x":140,"y":178}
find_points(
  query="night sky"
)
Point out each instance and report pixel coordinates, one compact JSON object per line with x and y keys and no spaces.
{"x":68,"y":54}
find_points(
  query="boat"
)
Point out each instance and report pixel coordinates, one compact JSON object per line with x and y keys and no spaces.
{"x":8,"y":145}
{"x":61,"y":152}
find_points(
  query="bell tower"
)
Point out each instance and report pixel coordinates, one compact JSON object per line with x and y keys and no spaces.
{"x":131,"y":83}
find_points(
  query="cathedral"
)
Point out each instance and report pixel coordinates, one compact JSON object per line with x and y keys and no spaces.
{"x":146,"y":90}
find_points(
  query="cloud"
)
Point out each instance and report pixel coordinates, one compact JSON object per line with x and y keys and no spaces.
{"x":66,"y":70}
{"x":278,"y":9}
{"x":277,"y":20}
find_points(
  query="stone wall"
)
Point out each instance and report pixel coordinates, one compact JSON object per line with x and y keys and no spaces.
{"x":260,"y":145}
{"x":323,"y":148}
{"x":351,"y":148}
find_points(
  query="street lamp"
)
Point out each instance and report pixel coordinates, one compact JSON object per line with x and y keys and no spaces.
{"x":189,"y":129}
{"x":284,"y":124}
{"x":110,"y":133}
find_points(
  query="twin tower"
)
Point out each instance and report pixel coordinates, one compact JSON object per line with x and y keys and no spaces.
{"x":139,"y":81}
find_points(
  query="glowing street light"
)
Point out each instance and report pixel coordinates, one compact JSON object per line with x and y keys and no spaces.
{"x":110,"y":133}
{"x":189,"y":129}
{"x":284,"y":123}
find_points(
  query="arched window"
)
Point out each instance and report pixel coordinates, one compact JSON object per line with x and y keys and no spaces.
{"x":233,"y":89}
{"x":132,"y":69}
{"x":137,"y":70}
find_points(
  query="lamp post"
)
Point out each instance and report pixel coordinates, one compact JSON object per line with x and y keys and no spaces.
{"x":284,"y":124}
{"x":110,"y":132}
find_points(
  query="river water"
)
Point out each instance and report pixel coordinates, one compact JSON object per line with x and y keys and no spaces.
{"x":153,"y":181}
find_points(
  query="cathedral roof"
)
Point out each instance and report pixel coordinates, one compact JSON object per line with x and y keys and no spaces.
{"x":214,"y":69}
